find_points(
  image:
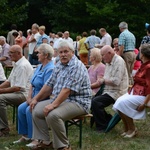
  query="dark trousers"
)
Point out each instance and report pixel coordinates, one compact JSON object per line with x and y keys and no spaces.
{"x":101,"y":117}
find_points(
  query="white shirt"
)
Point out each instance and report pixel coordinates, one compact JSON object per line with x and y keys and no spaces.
{"x":33,"y":44}
{"x":21,"y":74}
{"x":106,"y":40}
{"x":70,"y":40}
{"x":55,"y":46}
{"x":2,"y":74}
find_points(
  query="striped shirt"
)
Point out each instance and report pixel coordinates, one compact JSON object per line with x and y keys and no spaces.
{"x":74,"y":76}
{"x":127,"y":39}
{"x":117,"y":73}
{"x":146,"y":39}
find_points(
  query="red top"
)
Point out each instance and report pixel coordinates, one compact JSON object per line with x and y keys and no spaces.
{"x":137,"y":63}
{"x":142,"y":80}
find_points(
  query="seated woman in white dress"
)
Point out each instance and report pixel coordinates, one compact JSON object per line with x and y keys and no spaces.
{"x":132,"y":106}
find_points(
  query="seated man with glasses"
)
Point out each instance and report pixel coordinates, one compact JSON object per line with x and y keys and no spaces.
{"x":116,"y":84}
{"x":14,"y":90}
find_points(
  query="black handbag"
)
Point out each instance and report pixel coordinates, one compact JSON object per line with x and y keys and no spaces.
{"x":34,"y":55}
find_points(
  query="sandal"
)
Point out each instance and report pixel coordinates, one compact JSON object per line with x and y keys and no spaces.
{"x":22,"y":139}
{"x":38,"y":145}
{"x":33,"y":144}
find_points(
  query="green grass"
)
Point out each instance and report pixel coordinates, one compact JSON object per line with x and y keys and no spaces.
{"x":92,"y":140}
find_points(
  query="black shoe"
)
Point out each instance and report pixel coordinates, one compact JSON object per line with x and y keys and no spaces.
{"x":100,"y":131}
{"x":4,"y":132}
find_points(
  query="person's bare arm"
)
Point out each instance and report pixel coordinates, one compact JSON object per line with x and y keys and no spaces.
{"x":121,"y":49}
{"x":5,"y":84}
{"x":142,"y":106}
{"x":9,"y":89}
{"x":44,"y":93}
{"x":3,"y":58}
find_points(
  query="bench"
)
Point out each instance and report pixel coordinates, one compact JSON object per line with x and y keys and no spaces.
{"x":77,"y":121}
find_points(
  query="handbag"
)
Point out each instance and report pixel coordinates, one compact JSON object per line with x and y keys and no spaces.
{"x":34,"y":55}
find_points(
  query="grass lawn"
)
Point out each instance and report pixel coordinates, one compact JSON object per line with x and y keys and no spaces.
{"x":92,"y":140}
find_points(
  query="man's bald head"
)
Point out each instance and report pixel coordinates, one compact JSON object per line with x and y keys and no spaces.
{"x":15,"y":53}
{"x":16,"y":48}
{"x":107,"y":53}
{"x":107,"y":49}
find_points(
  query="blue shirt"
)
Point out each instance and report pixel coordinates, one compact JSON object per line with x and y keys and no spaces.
{"x":39,"y":42}
{"x":74,"y":76}
{"x":92,"y":40}
{"x":127,"y":39}
{"x":40,"y":77}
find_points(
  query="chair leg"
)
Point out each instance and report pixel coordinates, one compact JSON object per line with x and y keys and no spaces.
{"x":80,"y":134}
{"x":14,"y":113}
{"x":17,"y":118}
{"x":66,"y":125}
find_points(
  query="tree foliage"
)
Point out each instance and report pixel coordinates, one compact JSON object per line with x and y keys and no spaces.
{"x":83,"y":15}
{"x":11,"y":12}
{"x":78,"y":15}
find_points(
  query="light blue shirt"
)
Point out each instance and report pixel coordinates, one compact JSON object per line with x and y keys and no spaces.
{"x":92,"y":40}
{"x":74,"y":76}
{"x":40,"y":76}
{"x":127,"y":39}
{"x":39,"y":42}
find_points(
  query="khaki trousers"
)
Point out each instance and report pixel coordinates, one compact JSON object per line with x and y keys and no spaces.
{"x":9,"y":99}
{"x":129,"y":58}
{"x":54,"y":120}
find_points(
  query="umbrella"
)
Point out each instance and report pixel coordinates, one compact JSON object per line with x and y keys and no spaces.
{"x":114,"y":120}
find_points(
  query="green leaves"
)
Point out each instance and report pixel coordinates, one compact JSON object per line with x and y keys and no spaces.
{"x":12,"y":13}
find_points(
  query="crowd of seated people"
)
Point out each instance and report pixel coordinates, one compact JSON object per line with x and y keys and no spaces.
{"x":61,"y":90}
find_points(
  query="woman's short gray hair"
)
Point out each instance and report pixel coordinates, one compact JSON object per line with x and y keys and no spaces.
{"x":46,"y":49}
{"x":3,"y":38}
{"x":64,"y":43}
{"x":145,"y":50}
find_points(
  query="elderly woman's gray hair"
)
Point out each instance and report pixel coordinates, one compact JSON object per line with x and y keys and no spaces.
{"x":145,"y":50}
{"x":64,"y":43}
{"x":123,"y":25}
{"x":46,"y":49}
{"x":95,"y":52}
{"x":3,"y":38}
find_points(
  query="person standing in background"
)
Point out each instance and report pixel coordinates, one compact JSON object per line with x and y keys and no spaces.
{"x":91,"y":42}
{"x":83,"y":52}
{"x":26,"y":45}
{"x":32,"y":43}
{"x":106,"y":38}
{"x":126,"y":48}
{"x":76,"y":46}
{"x":10,"y":38}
